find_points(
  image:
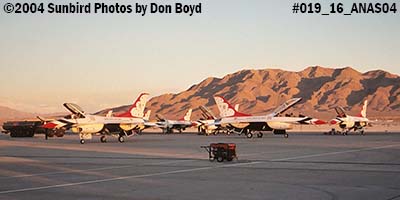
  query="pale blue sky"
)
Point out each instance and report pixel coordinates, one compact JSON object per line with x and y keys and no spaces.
{"x":101,"y":60}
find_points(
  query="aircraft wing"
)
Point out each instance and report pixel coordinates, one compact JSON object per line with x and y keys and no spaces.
{"x":150,"y":124}
{"x":312,"y":121}
{"x":285,"y":106}
{"x":173,"y":124}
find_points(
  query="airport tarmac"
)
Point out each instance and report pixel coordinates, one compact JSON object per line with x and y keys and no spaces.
{"x":154,"y":166}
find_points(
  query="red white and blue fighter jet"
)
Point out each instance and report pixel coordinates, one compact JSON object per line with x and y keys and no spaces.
{"x":121,"y":126}
{"x":247,"y":124}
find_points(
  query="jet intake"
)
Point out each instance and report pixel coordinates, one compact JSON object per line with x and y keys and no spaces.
{"x":348,"y":124}
{"x":128,"y":127}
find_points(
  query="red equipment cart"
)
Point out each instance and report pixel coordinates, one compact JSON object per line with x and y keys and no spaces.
{"x":221,"y":151}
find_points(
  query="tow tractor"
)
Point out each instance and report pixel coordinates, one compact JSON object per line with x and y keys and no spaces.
{"x":221,"y":151}
{"x":26,"y":128}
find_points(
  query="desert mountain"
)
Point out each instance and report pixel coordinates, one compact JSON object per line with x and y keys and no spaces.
{"x":10,"y":114}
{"x":260,"y":91}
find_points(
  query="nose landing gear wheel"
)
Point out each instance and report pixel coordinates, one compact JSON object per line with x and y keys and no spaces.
{"x":103,"y":139}
{"x":286,"y":135}
{"x":82,"y":141}
{"x":121,"y":139}
{"x":249,"y":135}
{"x":260,"y":135}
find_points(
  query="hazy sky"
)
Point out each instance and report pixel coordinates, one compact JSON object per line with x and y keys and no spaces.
{"x":101,"y":60}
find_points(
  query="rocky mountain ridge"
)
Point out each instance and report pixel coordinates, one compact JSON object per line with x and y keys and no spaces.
{"x":260,"y":91}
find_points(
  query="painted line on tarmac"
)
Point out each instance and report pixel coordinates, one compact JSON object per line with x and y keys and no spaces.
{"x":263,"y":153}
{"x":170,"y":162}
{"x":123,"y":178}
{"x":335,"y":153}
{"x":90,"y":170}
{"x":64,"y":172}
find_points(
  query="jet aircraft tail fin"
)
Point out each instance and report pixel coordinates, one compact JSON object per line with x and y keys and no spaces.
{"x":363,"y":112}
{"x":187,"y":115}
{"x":226,"y":109}
{"x":137,"y":108}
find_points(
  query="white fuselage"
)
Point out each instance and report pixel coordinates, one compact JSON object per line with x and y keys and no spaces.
{"x":259,"y":119}
{"x":260,"y":123}
{"x":93,"y":124}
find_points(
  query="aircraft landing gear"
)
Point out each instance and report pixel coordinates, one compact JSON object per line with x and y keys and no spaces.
{"x":249,"y":135}
{"x":103,"y":139}
{"x":46,"y":136}
{"x":280,"y":132}
{"x":260,"y":135}
{"x":220,"y":159}
{"x":82,"y":141}
{"x":168,"y":131}
{"x":121,"y":139}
